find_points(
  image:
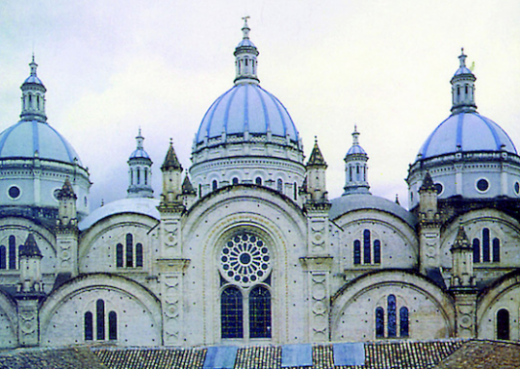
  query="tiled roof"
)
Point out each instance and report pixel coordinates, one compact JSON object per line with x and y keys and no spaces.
{"x":484,"y":355}
{"x":48,"y":358}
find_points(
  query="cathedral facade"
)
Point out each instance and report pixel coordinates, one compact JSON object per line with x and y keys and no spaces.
{"x":245,"y":247}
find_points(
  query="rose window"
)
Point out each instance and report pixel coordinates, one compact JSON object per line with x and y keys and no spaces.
{"x":245,"y":260}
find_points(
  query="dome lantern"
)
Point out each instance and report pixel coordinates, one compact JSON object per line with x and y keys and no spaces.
{"x":245,"y":58}
{"x":33,"y":96}
{"x":356,"y":168}
{"x":463,"y":88}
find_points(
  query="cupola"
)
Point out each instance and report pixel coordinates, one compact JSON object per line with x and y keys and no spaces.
{"x":356,"y":168}
{"x":140,"y":171}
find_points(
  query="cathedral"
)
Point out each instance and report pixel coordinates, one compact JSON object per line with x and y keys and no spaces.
{"x":244,"y":247}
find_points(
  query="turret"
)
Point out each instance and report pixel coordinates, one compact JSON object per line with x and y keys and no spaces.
{"x":67,"y":233}
{"x":463,"y":88}
{"x":189,"y":195}
{"x":462,"y":258}
{"x":428,"y":198}
{"x":316,"y":171}
{"x":140,"y":171}
{"x":245,"y":58}
{"x":30,"y":271}
{"x":171,"y":173}
{"x":67,"y":204}
{"x":356,"y":181}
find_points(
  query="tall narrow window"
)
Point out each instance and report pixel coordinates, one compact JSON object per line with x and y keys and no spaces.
{"x":129,"y":251}
{"x":131,"y":176}
{"x":392,"y":326}
{"x":485,"y":245}
{"x":350,"y":172}
{"x":496,"y":250}
{"x":377,"y":252}
{"x":119,"y":255}
{"x":214,"y":184}
{"x":112,"y":325}
{"x":476,"y":250}
{"x":231,"y":311}
{"x":3,"y":257}
{"x":139,"y":255}
{"x":403,"y":322}
{"x":138,"y":175}
{"x":503,"y":324}
{"x":146,"y":176}
{"x":89,"y":336}
{"x":279,"y":185}
{"x":12,"y":252}
{"x":295,"y":191}
{"x":260,"y":313}
{"x":380,"y":322}
{"x":366,"y":247}
{"x":357,"y":252}
{"x":100,"y":320}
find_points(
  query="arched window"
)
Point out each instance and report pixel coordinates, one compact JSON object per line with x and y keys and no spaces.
{"x":119,"y":255}
{"x":357,"y":252}
{"x":214,"y":184}
{"x":231,"y":311}
{"x":112,"y":325}
{"x":131,"y":176}
{"x":89,"y":336}
{"x":350,"y":169}
{"x":503,"y":324}
{"x":496,"y":250}
{"x":476,"y":250}
{"x":100,"y":320}
{"x":279,"y":184}
{"x":366,"y":247}
{"x":380,"y":322}
{"x":485,"y":245}
{"x":138,"y":175}
{"x":258,"y":181}
{"x":12,"y":252}
{"x":260,"y":313}
{"x":234,"y":181}
{"x":139,"y":255}
{"x":146,"y":176}
{"x":403,"y":322}
{"x":3,"y":259}
{"x":129,"y":251}
{"x":295,"y":191}
{"x":392,"y":324}
{"x":377,"y":252}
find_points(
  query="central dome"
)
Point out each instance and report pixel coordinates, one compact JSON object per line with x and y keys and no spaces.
{"x":246,"y":107}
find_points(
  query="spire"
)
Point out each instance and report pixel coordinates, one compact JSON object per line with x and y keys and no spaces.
{"x":316,"y":159}
{"x":30,"y":248}
{"x":170,"y":161}
{"x":187,"y":187}
{"x":245,"y":58}
{"x":33,"y":96}
{"x":356,"y":168}
{"x":66,"y":191}
{"x":139,"y":140}
{"x":427,"y":184}
{"x":461,"y":240}
{"x":463,"y":88}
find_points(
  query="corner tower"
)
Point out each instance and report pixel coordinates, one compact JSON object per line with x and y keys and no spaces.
{"x":247,"y":136}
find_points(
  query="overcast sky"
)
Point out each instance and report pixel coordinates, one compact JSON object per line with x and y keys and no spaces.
{"x":111,"y":67}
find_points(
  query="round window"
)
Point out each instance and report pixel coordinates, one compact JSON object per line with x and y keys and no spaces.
{"x":14,"y":192}
{"x":517,"y":188}
{"x":439,"y":188}
{"x":245,"y":260}
{"x":482,"y":185}
{"x":56,"y":193}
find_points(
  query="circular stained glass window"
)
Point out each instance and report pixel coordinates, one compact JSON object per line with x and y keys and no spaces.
{"x":517,"y":188}
{"x":439,"y":188}
{"x":482,"y":185}
{"x":245,"y":260}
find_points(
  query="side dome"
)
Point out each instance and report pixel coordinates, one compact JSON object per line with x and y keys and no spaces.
{"x":463,"y":132}
{"x":467,"y":155}
{"x":246,"y":107}
{"x":35,"y":161}
{"x":247,"y":135}
{"x":26,"y":138}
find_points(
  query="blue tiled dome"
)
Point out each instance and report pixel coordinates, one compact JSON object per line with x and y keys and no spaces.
{"x":139,"y":154}
{"x":466,"y":131}
{"x":27,"y":136}
{"x":356,"y":149}
{"x":246,"y":107}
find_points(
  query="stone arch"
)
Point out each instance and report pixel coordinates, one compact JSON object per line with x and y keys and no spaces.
{"x":503,"y":294}
{"x":62,"y":314}
{"x":431,"y":310}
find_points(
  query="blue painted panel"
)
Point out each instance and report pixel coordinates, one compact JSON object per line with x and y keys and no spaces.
{"x":349,"y":353}
{"x":221,"y":357}
{"x":296,"y":355}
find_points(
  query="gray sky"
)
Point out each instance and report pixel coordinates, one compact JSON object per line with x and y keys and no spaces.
{"x":111,"y":67}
